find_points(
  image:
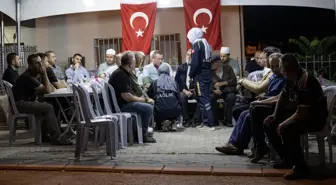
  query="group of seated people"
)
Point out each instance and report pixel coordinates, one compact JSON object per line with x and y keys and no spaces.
{"x":284,"y":103}
{"x":288,"y":102}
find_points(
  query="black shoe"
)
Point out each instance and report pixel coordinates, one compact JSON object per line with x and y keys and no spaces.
{"x":148,"y":139}
{"x":298,"y":173}
{"x":46,"y":139}
{"x":61,"y":142}
{"x":228,"y":124}
{"x":186,"y":124}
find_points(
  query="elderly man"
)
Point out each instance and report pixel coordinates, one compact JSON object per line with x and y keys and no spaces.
{"x":225,"y":57}
{"x":224,"y":84}
{"x":150,"y":71}
{"x":121,"y":80}
{"x":76,"y":73}
{"x":106,"y":69}
{"x":301,"y":108}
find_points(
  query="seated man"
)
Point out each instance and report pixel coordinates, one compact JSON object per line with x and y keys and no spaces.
{"x":51,"y":56}
{"x":225,"y":57}
{"x":76,"y":73}
{"x":167,"y":99}
{"x":106,"y":69}
{"x":50,"y":73}
{"x":127,"y":101}
{"x":35,"y":81}
{"x":252,"y":64}
{"x":241,"y":135}
{"x":150,"y":71}
{"x":13,"y":63}
{"x":301,"y":108}
{"x":183,"y":81}
{"x":224,"y":87}
{"x":259,"y":87}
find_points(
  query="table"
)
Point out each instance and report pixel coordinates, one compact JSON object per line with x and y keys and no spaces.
{"x":66,"y":93}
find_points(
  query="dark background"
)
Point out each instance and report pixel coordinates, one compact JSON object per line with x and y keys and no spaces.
{"x":274,"y":25}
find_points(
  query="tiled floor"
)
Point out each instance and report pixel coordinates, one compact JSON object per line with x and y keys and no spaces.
{"x":186,"y":148}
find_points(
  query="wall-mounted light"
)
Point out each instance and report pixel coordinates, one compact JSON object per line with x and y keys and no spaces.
{"x":88,"y":3}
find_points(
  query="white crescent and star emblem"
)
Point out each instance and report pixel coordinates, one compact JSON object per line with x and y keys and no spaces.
{"x":144,"y":16}
{"x":199,"y":11}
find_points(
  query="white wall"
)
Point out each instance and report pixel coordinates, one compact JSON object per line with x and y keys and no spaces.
{"x":8,"y":7}
{"x":28,"y":35}
{"x":32,"y":9}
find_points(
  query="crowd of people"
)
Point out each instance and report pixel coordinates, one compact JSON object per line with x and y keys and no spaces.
{"x":282,"y":104}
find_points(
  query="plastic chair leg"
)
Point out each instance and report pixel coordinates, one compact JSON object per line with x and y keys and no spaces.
{"x":330,"y":148}
{"x":321,"y":148}
{"x":38,"y":134}
{"x":139,"y":128}
{"x":10,"y":128}
{"x":130,"y":131}
{"x":79,"y":140}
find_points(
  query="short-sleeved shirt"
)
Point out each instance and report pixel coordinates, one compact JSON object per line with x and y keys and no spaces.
{"x":51,"y":75}
{"x":307,"y":93}
{"x":10,"y":75}
{"x":24,"y":89}
{"x":121,"y":82}
{"x":58,"y":72}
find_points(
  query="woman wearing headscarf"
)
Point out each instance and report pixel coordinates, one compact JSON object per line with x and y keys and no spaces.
{"x":165,"y":92}
{"x":200,"y":72}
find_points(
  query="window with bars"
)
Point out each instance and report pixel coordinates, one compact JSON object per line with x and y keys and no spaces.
{"x":168,"y":44}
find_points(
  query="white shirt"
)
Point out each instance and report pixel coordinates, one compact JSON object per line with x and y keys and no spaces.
{"x":152,"y":72}
{"x":188,"y":78}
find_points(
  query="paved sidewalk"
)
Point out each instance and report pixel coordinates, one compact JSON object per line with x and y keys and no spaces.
{"x":187,"y":149}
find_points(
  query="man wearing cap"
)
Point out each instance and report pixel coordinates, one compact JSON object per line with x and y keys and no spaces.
{"x":225,"y":57}
{"x":223,"y":86}
{"x":106,"y":69}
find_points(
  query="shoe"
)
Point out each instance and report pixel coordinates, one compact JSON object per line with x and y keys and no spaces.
{"x":180,"y":125}
{"x":230,"y":149}
{"x":174,"y":127}
{"x":298,"y":173}
{"x":61,"y":142}
{"x":260,"y":153}
{"x":283,"y":165}
{"x":46,"y":139}
{"x":157,"y":126}
{"x":149,"y":139}
{"x":228,"y":124}
{"x":186,"y":124}
{"x":206,"y":128}
{"x":251,"y":155}
{"x":165,"y":126}
{"x":200,"y":126}
{"x":150,"y":129}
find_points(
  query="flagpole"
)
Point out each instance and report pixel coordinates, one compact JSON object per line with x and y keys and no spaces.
{"x":242,"y":40}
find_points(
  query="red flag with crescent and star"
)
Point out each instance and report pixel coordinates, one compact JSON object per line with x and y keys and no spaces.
{"x":204,"y":14}
{"x":138,"y":21}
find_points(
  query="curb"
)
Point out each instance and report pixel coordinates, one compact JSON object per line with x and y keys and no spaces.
{"x":165,"y":169}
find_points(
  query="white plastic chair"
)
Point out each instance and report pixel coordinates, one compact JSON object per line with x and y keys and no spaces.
{"x":83,"y":106}
{"x":330,"y":93}
{"x":255,"y":76}
{"x":14,"y":115}
{"x":125,"y":119}
{"x":112,"y":101}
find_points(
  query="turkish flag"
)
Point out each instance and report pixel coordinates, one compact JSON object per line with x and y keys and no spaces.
{"x":138,"y":22}
{"x":204,"y":14}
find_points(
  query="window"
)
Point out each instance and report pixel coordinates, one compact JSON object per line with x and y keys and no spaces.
{"x":168,"y":44}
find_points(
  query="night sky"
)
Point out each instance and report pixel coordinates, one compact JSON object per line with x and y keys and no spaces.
{"x":276,"y":24}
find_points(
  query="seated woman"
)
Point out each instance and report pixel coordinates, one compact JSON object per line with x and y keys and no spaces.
{"x":241,"y":135}
{"x":256,"y":88}
{"x":167,"y":107}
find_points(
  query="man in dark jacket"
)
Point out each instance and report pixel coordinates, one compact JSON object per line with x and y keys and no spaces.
{"x":13,"y":63}
{"x":223,"y":86}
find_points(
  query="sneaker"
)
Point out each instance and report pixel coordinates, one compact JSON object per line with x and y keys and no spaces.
{"x":150,"y":129}
{"x":230,"y":149}
{"x":200,"y":126}
{"x":174,"y":127}
{"x":206,"y":128}
{"x":149,"y":139}
{"x":165,"y":126}
{"x":180,"y":125}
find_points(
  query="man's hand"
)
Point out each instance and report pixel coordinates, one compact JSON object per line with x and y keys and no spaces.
{"x":217,"y":84}
{"x":240,"y":81}
{"x":255,"y":102}
{"x":280,"y":128}
{"x":188,"y":93}
{"x":102,"y":75}
{"x":43,"y":71}
{"x":76,"y":66}
{"x":150,"y":101}
{"x":217,"y":92}
{"x":269,"y":120}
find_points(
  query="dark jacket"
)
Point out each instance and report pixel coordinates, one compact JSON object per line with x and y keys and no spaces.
{"x":169,"y":102}
{"x":198,"y":66}
{"x":10,"y":75}
{"x":229,"y":76}
{"x":181,"y":76}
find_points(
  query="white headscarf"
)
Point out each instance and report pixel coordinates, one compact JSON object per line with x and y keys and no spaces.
{"x":196,"y":34}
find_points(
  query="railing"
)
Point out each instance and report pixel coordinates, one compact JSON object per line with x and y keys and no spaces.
{"x":25,"y":52}
{"x":321,"y":66}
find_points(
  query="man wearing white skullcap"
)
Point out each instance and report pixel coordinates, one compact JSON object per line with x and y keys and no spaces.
{"x":106,"y":69}
{"x":225,"y":57}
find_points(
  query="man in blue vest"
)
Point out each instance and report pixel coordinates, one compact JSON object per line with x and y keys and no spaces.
{"x":200,"y":72}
